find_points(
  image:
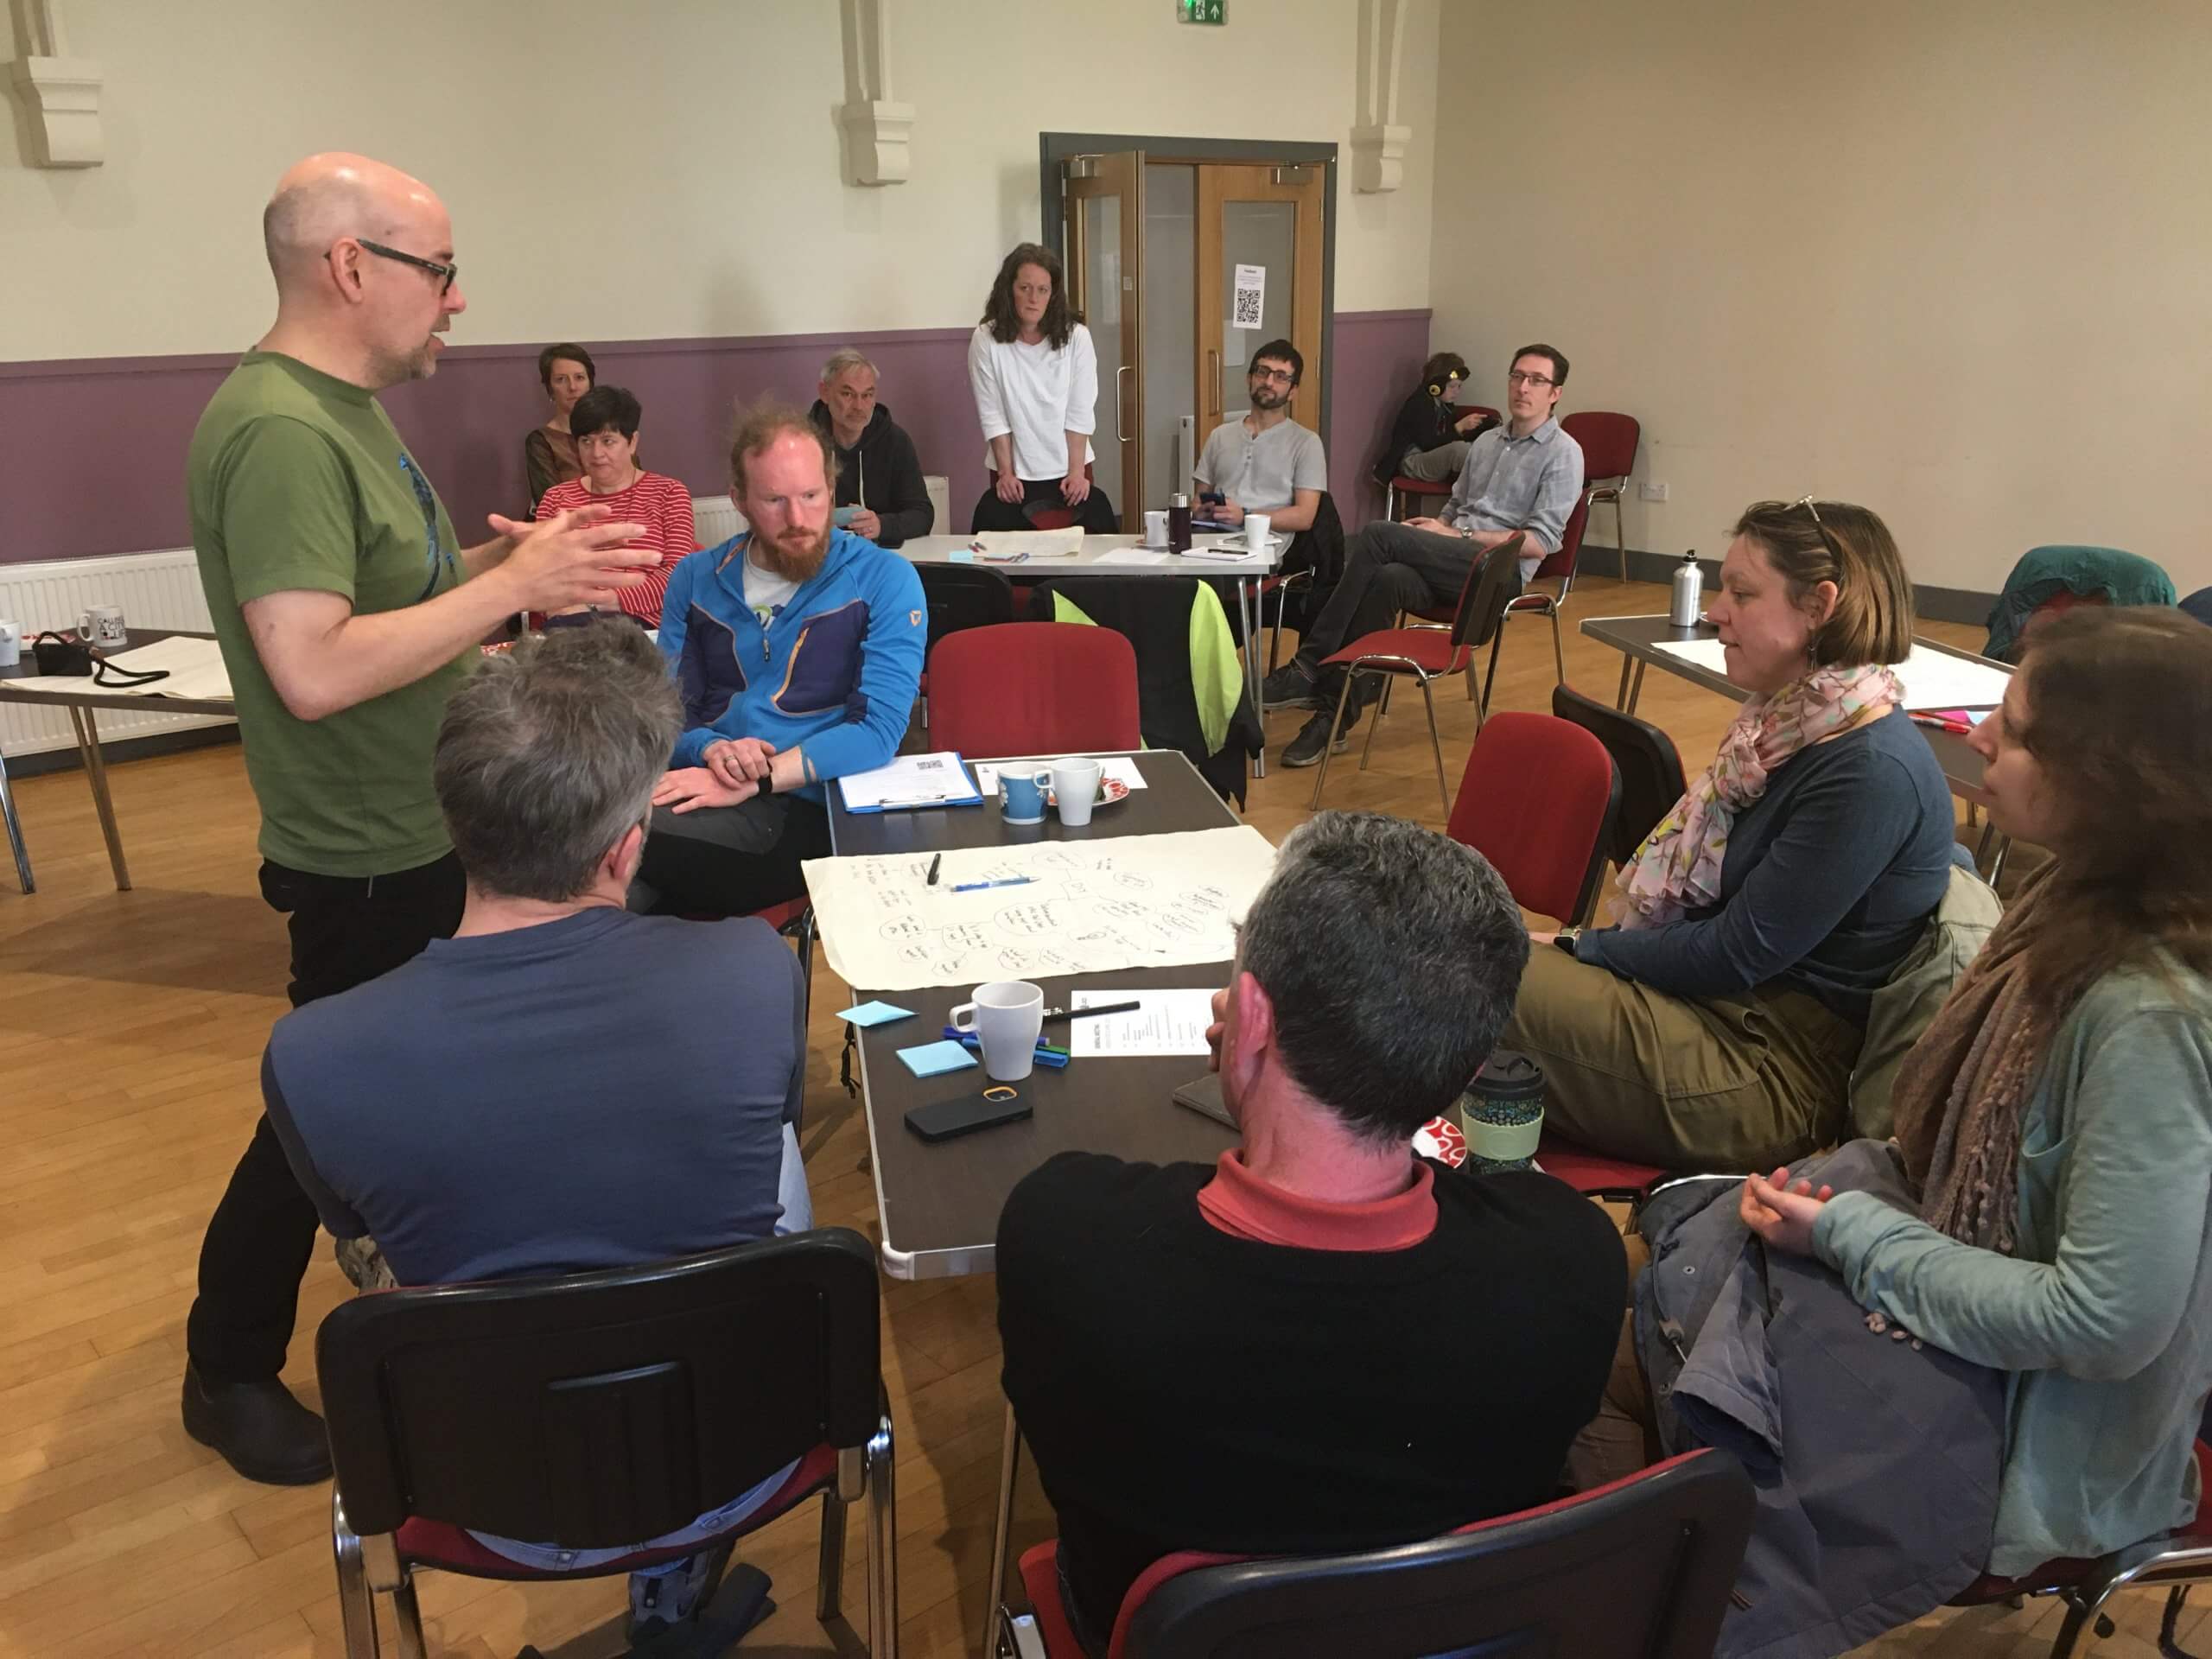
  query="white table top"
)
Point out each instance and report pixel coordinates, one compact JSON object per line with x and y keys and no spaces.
{"x":1102,"y":556}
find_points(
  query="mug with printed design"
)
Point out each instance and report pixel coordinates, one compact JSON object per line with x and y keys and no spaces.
{"x":1022,"y":796}
{"x":101,"y":626}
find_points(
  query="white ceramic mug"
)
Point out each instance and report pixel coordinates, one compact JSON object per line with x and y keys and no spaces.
{"x":11,"y":645}
{"x":1007,"y":1016}
{"x":1075,"y":788}
{"x":102,"y":626}
{"x":1155,"y":528}
{"x":1256,"y":531}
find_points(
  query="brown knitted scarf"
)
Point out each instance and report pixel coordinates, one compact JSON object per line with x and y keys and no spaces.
{"x":1960,"y":1091}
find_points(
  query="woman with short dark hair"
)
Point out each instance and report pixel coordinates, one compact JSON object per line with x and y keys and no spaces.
{"x":549,"y":453}
{"x":1035,"y":373}
{"x":606,"y":421}
{"x":1717,"y":1028}
{"x":1430,"y":435}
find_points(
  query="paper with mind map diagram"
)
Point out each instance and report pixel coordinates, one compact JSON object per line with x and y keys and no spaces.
{"x":1087,"y":907}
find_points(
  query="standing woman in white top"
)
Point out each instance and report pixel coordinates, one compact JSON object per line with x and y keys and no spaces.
{"x":1035,"y":377}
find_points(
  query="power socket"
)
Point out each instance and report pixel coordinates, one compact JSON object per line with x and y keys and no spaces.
{"x":1651,"y":492}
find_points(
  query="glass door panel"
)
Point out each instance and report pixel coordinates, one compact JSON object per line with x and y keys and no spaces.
{"x":1105,"y":262}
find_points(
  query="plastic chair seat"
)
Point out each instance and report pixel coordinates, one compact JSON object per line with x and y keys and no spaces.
{"x":454,"y":1549}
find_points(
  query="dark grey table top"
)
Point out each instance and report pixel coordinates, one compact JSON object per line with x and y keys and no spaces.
{"x":94,"y":697}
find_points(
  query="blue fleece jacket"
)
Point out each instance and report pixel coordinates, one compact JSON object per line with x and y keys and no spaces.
{"x":835,"y":672}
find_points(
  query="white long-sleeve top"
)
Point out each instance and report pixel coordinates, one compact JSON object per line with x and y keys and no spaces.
{"x":1036,"y":395}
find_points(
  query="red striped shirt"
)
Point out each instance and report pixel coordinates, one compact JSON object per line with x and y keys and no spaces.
{"x":658,"y":502}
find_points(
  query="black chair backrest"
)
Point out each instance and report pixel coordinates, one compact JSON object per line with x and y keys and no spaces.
{"x":1651,"y":769}
{"x":1643,"y":1569}
{"x":596,"y":1409}
{"x":1493,"y":582}
{"x":963,"y":596}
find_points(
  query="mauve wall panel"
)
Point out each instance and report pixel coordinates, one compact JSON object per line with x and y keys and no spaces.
{"x":97,"y":445}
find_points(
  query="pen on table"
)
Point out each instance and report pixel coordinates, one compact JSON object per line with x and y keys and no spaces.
{"x":1003,"y":881}
{"x":1084,"y":1013}
{"x":934,"y":863}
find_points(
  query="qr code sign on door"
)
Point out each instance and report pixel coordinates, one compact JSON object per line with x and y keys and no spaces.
{"x":1250,"y":299}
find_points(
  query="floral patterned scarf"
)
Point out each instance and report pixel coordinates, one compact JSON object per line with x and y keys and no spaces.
{"x":1678,"y":867}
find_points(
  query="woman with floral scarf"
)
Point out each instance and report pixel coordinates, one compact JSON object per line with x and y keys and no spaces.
{"x":1716,"y":1028}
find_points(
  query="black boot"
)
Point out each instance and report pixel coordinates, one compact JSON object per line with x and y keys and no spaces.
{"x":261,"y":1430}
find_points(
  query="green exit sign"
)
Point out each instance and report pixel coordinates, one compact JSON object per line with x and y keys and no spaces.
{"x":1202,"y":11}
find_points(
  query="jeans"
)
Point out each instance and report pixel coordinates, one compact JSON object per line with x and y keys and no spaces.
{"x":345,"y":930}
{"x":1095,"y":515}
{"x":1388,"y":568}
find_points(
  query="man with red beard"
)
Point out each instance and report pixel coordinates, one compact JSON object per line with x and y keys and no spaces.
{"x":798,"y":648}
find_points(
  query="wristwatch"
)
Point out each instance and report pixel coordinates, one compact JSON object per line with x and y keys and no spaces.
{"x":768,"y":782}
{"x":1565,"y":938}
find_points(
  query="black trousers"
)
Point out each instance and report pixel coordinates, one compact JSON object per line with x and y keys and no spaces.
{"x":1388,"y":568}
{"x":344,"y":930}
{"x":1095,"y":515}
{"x":731,"y":861}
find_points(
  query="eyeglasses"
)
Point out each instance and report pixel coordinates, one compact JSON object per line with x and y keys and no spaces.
{"x":1283,"y":375}
{"x":448,"y":272}
{"x":1827,"y":540}
{"x":1515,"y":379}
{"x":437,"y":552}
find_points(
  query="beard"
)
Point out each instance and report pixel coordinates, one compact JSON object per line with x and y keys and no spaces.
{"x":796,"y":555}
{"x":1269,"y":398}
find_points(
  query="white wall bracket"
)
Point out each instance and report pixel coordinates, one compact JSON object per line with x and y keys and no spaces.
{"x":1378,"y":143}
{"x":60,"y":94}
{"x":873,"y":127}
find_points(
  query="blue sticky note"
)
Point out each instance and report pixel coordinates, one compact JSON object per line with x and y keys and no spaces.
{"x":875,"y":1013}
{"x":960,"y":556}
{"x":930,"y":1059}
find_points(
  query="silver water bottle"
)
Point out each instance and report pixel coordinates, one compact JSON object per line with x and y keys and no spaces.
{"x":1689,"y":592}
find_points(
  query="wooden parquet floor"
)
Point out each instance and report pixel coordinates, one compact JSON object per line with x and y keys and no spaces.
{"x":130,"y":1028}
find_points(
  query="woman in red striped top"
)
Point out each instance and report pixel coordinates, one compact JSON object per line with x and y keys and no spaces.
{"x":605,"y":422}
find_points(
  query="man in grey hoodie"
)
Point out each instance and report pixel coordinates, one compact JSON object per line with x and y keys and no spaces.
{"x":880,"y":494}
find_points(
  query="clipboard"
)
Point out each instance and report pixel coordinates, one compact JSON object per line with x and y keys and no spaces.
{"x":911,"y":782}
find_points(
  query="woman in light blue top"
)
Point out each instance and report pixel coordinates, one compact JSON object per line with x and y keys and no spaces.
{"x":2057,"y":1115}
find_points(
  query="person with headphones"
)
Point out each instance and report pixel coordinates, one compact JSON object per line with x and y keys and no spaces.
{"x":1430,"y":436}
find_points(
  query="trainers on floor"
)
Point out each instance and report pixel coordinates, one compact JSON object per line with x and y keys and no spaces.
{"x":1305,"y":749}
{"x":1289,"y":688}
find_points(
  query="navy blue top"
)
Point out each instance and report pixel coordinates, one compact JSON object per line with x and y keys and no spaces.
{"x":596,"y":1091}
{"x":1828,"y":881}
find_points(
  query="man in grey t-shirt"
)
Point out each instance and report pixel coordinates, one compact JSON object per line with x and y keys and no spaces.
{"x":1526,"y":476}
{"x":1265,"y":461}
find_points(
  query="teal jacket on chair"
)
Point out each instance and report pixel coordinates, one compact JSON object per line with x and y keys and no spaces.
{"x":2117,"y":577}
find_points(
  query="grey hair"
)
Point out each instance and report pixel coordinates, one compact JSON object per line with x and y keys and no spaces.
{"x":844,"y":358}
{"x":548,"y":756}
{"x":1392,"y":955}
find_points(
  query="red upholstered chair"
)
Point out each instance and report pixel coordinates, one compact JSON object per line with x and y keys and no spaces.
{"x":1045,"y":517}
{"x":1609,"y":444}
{"x":1537,"y":801}
{"x":2179,"y":1558}
{"x":594,"y":1409}
{"x":1033,"y":688}
{"x":1562,"y":566}
{"x":1642,"y":1567}
{"x":1426,"y":653}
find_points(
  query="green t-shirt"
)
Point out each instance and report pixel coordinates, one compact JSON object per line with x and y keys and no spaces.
{"x":299,"y":480}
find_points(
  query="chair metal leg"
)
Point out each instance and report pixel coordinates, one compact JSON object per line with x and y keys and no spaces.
{"x":1436,"y":744}
{"x":1003,"y":1528}
{"x":356,"y":1605}
{"x":1329,"y":747}
{"x":1620,"y":531}
{"x":15,"y":832}
{"x":829,"y":1576}
{"x":882,"y":1547}
{"x":1559,"y":652}
{"x":408,"y":1617}
{"x":1367,"y":747}
{"x":1489,"y":678}
{"x":88,"y":746}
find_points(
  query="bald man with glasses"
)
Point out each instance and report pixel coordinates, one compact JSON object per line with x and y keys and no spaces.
{"x":347,"y":611}
{"x":1526,"y":475}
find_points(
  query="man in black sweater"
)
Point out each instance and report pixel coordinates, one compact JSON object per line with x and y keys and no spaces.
{"x":1323,"y":1341}
{"x":881,"y":493}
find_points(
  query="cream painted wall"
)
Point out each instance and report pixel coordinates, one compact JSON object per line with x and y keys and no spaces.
{"x":665,"y":170}
{"x":1946,"y":259}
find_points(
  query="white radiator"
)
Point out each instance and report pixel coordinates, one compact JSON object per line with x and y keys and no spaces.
{"x":155,"y":590}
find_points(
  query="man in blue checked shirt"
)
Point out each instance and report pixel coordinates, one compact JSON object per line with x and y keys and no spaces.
{"x":1526,"y":475}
